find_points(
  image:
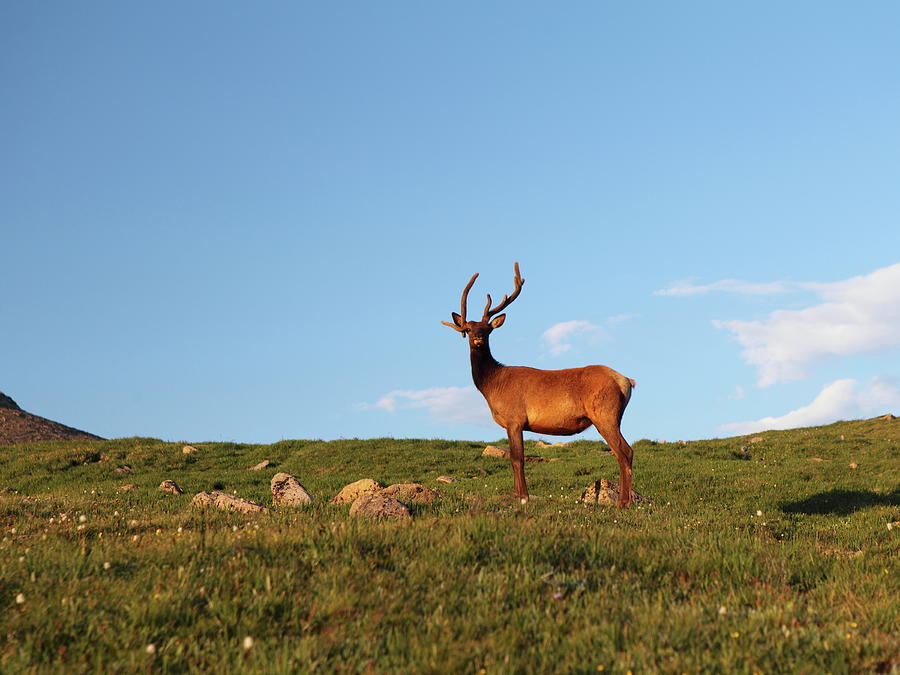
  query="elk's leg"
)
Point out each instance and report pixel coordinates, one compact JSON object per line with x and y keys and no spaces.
{"x":517,"y":457}
{"x":624,"y":454}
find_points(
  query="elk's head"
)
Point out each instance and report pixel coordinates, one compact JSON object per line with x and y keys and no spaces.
{"x":478,"y":331}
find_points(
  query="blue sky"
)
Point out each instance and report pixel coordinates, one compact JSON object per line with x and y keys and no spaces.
{"x":233,"y":221}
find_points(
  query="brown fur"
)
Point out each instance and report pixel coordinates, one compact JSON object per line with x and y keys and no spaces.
{"x":553,"y":402}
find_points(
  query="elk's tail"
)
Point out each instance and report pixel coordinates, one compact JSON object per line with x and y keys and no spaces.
{"x":626,"y":384}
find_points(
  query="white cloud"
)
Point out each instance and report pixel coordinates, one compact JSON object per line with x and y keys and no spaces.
{"x":684,"y":288}
{"x":459,"y":405}
{"x":558,"y":338}
{"x":838,"y":400}
{"x":860,"y":315}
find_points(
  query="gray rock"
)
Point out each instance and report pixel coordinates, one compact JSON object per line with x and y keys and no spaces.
{"x":223,"y":500}
{"x":494,"y":451}
{"x":606,"y":492}
{"x":171,"y":486}
{"x":262,"y":465}
{"x":409,"y":492}
{"x":445,"y":479}
{"x":349,"y":493}
{"x":379,"y":506}
{"x":287,"y":491}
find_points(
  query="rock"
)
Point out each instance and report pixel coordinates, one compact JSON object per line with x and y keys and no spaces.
{"x":188,"y":449}
{"x":854,"y":465}
{"x":124,"y":488}
{"x":757,"y":439}
{"x":222,"y":500}
{"x":262,"y":465}
{"x":445,"y":479}
{"x":888,"y":417}
{"x":379,"y":506}
{"x":542,"y":444}
{"x":606,"y":492}
{"x":494,"y":451}
{"x":171,"y":486}
{"x":123,"y":469}
{"x":351,"y":492}
{"x":410,"y":492}
{"x":287,"y":491}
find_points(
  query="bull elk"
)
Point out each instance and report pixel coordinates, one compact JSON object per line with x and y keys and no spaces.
{"x":553,"y":402}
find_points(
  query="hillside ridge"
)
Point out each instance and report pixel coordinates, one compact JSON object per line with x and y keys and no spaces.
{"x":19,"y":426}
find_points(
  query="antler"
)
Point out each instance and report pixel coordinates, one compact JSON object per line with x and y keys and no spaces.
{"x":462,"y":307}
{"x":507,"y":300}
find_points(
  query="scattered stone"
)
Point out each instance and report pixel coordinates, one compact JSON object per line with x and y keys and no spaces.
{"x":842,"y":436}
{"x":854,"y":465}
{"x":757,"y":439}
{"x":553,"y":459}
{"x":351,"y":492}
{"x":379,"y":506}
{"x":445,"y":479}
{"x":606,"y":492}
{"x":542,"y":444}
{"x":287,"y":491}
{"x":410,"y":492}
{"x":681,"y":442}
{"x":262,"y":465}
{"x":561,"y":444}
{"x":171,"y":486}
{"x":124,"y":469}
{"x":494,"y":451}
{"x":888,"y":417}
{"x":817,"y":459}
{"x":222,"y":500}
{"x":124,"y":488}
{"x":188,"y":449}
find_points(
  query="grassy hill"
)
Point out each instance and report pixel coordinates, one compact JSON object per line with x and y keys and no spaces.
{"x":784,"y":562}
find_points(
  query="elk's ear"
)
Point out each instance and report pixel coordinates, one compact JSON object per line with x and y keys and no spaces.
{"x":498,"y":321}
{"x":457,"y":319}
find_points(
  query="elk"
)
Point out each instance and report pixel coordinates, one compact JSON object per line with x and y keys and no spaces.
{"x":553,"y":402}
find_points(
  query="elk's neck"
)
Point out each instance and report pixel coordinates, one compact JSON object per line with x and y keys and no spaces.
{"x":484,"y":366}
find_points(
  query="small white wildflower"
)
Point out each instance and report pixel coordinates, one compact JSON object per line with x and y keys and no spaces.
{"x":722,"y":610}
{"x":151,"y":649}
{"x":107,"y":565}
{"x":20,"y":599}
{"x":248,"y":643}
{"x":82,"y":518}
{"x":12,"y":530}
{"x":234,"y":528}
{"x":758,"y":512}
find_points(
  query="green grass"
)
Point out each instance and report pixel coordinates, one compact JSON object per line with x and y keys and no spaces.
{"x":698,"y":581}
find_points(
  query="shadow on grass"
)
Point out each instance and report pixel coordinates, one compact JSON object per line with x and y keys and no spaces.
{"x":841,"y":502}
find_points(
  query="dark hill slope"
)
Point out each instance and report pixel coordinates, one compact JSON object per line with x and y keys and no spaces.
{"x":18,"y":426}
